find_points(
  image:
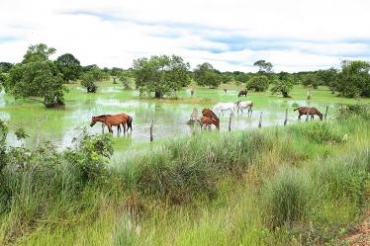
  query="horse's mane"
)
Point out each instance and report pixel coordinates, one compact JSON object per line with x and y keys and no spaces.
{"x":103,"y":115}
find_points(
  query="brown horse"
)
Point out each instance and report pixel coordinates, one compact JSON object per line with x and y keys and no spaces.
{"x":308,"y":111}
{"x":207,"y":121}
{"x":114,"y":120}
{"x":207,"y":113}
{"x":243,"y":93}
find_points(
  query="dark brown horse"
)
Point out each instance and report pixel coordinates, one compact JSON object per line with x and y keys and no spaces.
{"x":243,"y":93}
{"x":213,"y":119}
{"x":308,"y":111}
{"x":114,"y":120}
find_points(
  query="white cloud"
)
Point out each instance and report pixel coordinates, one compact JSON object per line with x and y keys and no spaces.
{"x":231,"y":35}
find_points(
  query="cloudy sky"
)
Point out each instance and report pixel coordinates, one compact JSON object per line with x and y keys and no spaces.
{"x":294,"y":35}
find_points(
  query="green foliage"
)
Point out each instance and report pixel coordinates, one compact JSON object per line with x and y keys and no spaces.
{"x":37,"y":77}
{"x":323,"y":133}
{"x":69,"y":66}
{"x":283,"y":84}
{"x":91,"y":156}
{"x":161,"y":74}
{"x":205,"y":75}
{"x":3,"y":135}
{"x":5,"y":67}
{"x":258,"y":83}
{"x":354,"y":110}
{"x":354,"y":79}
{"x":263,"y":66}
{"x":286,"y":198}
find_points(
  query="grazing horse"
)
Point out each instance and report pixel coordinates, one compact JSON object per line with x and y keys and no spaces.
{"x":243,"y":93}
{"x":241,"y":105}
{"x":206,"y":112}
{"x":308,"y":111}
{"x":222,"y":107}
{"x":114,"y":120}
{"x":208,"y":121}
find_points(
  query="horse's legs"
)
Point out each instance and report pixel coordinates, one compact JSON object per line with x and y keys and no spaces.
{"x":110,"y":128}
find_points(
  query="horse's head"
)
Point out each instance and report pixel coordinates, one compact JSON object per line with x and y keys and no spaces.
{"x":93,"y":121}
{"x":320,"y":115}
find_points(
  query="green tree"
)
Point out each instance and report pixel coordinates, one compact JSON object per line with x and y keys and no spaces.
{"x":69,"y":66}
{"x":264,"y":67}
{"x":37,"y":78}
{"x":282,"y":83}
{"x":258,"y":83}
{"x":354,"y":79}
{"x":205,"y":75}
{"x":91,"y":76}
{"x":5,"y":67}
{"x":161,"y":74}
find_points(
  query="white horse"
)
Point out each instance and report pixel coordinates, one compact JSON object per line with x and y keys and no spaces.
{"x":222,"y":107}
{"x":241,"y":105}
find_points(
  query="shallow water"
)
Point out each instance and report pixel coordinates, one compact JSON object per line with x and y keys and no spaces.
{"x":60,"y":127}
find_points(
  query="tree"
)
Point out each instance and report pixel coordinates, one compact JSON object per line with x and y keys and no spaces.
{"x":37,"y":78}
{"x":283,"y":84}
{"x":264,"y":67}
{"x":258,"y":83}
{"x":354,"y":79}
{"x":69,"y":66}
{"x":5,"y":67}
{"x":161,"y":74}
{"x":206,"y":75}
{"x":91,"y":75}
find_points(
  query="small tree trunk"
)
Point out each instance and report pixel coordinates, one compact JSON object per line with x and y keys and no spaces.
{"x":158,"y":94}
{"x":285,"y":94}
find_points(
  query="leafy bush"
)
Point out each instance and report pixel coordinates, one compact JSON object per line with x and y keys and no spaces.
{"x":91,"y":156}
{"x":359,"y":110}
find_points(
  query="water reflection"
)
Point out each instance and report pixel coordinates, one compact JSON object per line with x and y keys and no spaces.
{"x":169,"y":119}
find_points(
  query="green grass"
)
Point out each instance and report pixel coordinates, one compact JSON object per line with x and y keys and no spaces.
{"x":271,"y":186}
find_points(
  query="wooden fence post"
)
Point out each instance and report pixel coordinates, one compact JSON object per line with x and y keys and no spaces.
{"x":260,"y":121}
{"x":286,"y":117}
{"x":326,"y":111}
{"x":151,"y":131}
{"x":230,"y":122}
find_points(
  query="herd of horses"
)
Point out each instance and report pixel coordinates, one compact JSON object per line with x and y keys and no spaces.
{"x":208,"y":118}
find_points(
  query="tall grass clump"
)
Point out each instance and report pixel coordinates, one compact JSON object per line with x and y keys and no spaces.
{"x":346,"y":177}
{"x":319,"y":133}
{"x":177,"y":172}
{"x":285,"y":198}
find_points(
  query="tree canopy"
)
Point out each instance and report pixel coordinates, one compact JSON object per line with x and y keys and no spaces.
{"x":282,"y":83}
{"x":258,"y":83}
{"x":161,"y":74}
{"x":69,"y":66}
{"x":37,"y":78}
{"x":206,"y":75}
{"x":354,"y":79}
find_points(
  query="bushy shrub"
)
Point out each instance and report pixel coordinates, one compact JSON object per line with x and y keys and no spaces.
{"x":358,"y":110}
{"x":91,"y":156}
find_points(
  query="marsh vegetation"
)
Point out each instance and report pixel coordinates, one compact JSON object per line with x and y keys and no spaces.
{"x":303,"y":184}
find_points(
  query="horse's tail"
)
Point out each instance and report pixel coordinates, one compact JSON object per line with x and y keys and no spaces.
{"x":296,"y":109}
